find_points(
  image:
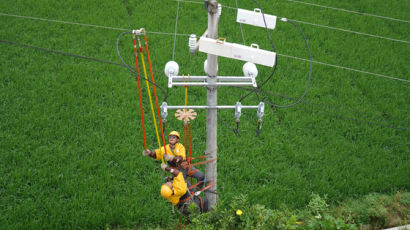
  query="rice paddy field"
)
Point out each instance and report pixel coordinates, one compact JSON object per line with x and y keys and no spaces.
{"x":70,"y":126}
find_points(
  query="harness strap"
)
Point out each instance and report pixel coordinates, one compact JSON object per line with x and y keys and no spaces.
{"x":194,"y":158}
{"x":203,"y":189}
{"x":203,"y":162}
{"x":192,"y":172}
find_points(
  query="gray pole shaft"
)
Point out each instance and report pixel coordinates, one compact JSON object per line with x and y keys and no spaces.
{"x":212,"y":100}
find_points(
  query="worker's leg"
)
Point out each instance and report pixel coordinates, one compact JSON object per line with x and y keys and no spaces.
{"x":202,"y":203}
{"x":198,"y":175}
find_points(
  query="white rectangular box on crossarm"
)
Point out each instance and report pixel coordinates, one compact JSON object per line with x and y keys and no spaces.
{"x":236,"y":51}
{"x":255,"y":18}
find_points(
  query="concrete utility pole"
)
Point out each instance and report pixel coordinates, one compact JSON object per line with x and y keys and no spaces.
{"x":212,"y":100}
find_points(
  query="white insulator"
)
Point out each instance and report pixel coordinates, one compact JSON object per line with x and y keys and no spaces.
{"x":206,"y":65}
{"x":249,"y":70}
{"x":171,"y":68}
{"x":219,"y":10}
{"x":192,"y":43}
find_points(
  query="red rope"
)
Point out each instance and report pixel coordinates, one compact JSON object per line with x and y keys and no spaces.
{"x":189,"y":134}
{"x":185,"y":129}
{"x":190,"y":154}
{"x":139,"y":92}
{"x":155,"y":92}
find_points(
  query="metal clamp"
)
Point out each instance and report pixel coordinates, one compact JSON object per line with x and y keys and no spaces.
{"x":261,"y":111}
{"x":238,"y":110}
{"x":139,"y":32}
{"x":164,"y":111}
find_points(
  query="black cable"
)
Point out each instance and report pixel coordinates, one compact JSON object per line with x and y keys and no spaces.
{"x":227,"y":126}
{"x":270,"y":39}
{"x":62,"y":53}
{"x":82,"y":57}
{"x":310,"y":68}
{"x":350,"y":118}
{"x":326,"y":112}
{"x":273,"y":49}
{"x":132,"y":71}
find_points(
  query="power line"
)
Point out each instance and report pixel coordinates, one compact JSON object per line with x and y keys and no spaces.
{"x":61,"y":53}
{"x":175,"y":32}
{"x":364,"y":116}
{"x":350,"y":11}
{"x":123,"y":65}
{"x":328,"y":27}
{"x":165,"y":33}
{"x":240,"y":24}
{"x":345,"y":68}
{"x":83,"y":24}
{"x":330,"y":112}
{"x":82,"y":57}
{"x":351,"y":31}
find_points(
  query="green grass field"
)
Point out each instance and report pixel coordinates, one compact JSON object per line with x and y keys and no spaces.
{"x":70,"y":133}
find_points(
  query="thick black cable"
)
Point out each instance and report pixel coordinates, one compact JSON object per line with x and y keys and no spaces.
{"x":62,"y":53}
{"x":227,"y":126}
{"x":86,"y":58}
{"x":133,"y":71}
{"x":326,"y":112}
{"x":310,"y":68}
{"x":273,"y":49}
{"x":349,"y":118}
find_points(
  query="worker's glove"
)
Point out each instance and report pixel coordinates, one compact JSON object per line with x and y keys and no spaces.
{"x":168,"y":157}
{"x":163,"y":167}
{"x":184,"y":164}
{"x":146,"y":152}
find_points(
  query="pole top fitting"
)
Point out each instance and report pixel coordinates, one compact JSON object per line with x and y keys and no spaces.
{"x":211,"y":6}
{"x":139,"y":32}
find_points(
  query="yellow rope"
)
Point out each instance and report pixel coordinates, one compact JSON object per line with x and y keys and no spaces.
{"x":150,"y":101}
{"x":186,"y":96}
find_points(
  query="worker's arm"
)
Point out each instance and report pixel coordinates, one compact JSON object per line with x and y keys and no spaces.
{"x":156,"y":154}
{"x":176,"y":159}
{"x":173,"y":171}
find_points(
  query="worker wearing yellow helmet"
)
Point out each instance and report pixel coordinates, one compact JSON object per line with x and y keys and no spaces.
{"x":176,"y":157}
{"x":176,"y":191}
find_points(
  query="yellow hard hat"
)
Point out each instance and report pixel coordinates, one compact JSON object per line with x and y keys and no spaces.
{"x":174,"y":133}
{"x":166,"y":191}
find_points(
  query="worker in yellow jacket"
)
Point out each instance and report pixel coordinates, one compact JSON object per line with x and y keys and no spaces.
{"x":176,"y":191}
{"x":176,"y":157}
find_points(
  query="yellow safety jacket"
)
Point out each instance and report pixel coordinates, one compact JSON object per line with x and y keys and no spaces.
{"x":179,"y":151}
{"x":180,"y":187}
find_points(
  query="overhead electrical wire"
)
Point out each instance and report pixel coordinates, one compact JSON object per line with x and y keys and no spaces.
{"x":369,"y":122}
{"x":175,"y":32}
{"x":273,"y":49}
{"x":346,"y":68}
{"x":165,"y":33}
{"x":240,"y":24}
{"x":327,"y":27}
{"x":350,"y":11}
{"x":351,"y":31}
{"x":392,"y":125}
{"x":88,"y":25}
